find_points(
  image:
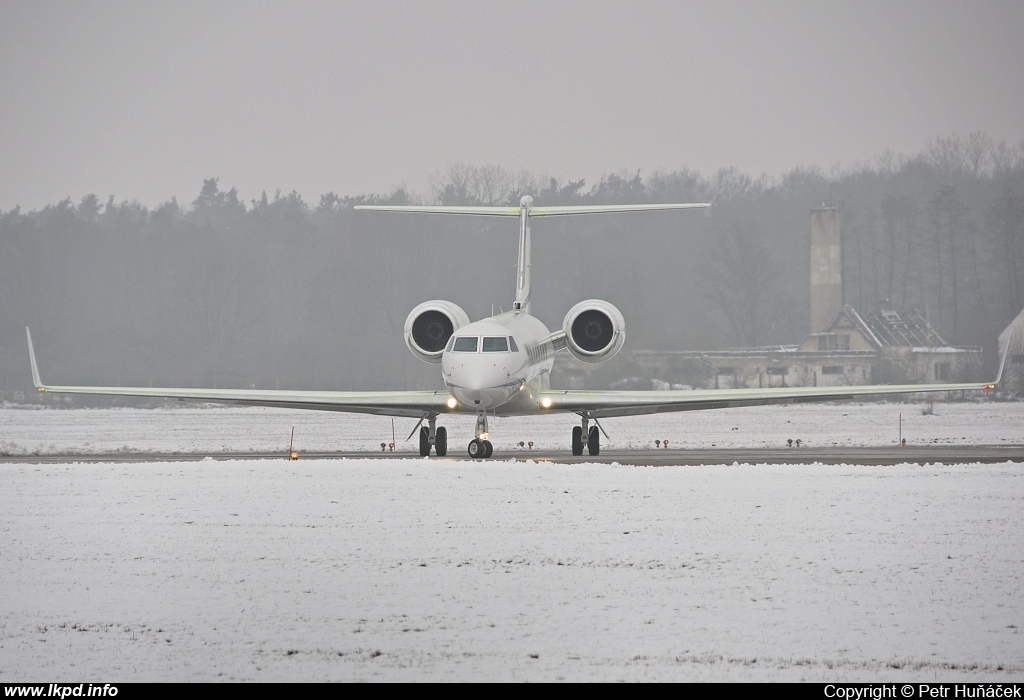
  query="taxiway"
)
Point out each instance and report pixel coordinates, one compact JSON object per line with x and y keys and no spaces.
{"x":868,"y":456}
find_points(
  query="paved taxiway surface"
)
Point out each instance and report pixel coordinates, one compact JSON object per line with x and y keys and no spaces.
{"x":871,"y":456}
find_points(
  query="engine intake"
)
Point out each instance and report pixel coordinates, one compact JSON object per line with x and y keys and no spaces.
{"x":594,"y":330}
{"x":429,"y":326}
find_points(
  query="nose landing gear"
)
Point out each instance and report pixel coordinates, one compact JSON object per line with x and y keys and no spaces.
{"x":481,"y":447}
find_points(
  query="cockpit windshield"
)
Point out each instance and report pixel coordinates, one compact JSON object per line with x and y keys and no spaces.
{"x":470,"y":343}
{"x":465,"y":344}
{"x":495,"y":344}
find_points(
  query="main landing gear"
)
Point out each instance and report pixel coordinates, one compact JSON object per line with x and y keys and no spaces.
{"x":433,"y":436}
{"x":481,"y":447}
{"x":593,"y":438}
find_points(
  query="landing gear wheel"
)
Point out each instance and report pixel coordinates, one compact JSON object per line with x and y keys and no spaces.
{"x":577,"y":441}
{"x":441,"y":442}
{"x":594,"y":441}
{"x":424,"y":442}
{"x":476,"y":449}
{"x":488,"y":449}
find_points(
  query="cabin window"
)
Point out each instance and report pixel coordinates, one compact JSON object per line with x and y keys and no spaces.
{"x":465,"y":344}
{"x":499,"y":344}
{"x":512,"y":343}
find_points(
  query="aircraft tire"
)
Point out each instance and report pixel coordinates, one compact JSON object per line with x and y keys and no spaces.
{"x":594,"y":441}
{"x":441,"y":442}
{"x":424,"y":442}
{"x":577,"y":441}
{"x":476,"y":449}
{"x":488,"y":449}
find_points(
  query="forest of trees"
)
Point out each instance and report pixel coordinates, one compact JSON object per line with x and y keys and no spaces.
{"x":278,"y":292}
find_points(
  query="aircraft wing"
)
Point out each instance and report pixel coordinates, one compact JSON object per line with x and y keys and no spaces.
{"x":610,"y":404}
{"x":405,"y":404}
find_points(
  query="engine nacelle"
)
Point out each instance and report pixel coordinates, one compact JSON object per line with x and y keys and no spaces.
{"x":594,"y":330}
{"x":429,"y":326}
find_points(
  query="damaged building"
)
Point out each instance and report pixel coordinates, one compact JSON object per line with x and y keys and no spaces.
{"x":884,"y":346}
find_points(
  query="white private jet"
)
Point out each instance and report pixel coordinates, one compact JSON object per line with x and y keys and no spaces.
{"x":500,"y":366}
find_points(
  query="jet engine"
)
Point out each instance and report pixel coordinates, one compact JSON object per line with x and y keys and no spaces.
{"x":430,"y":325}
{"x":594,"y":330}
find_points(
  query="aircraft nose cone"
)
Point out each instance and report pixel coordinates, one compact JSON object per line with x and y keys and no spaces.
{"x":484,"y":379}
{"x":480,"y":384}
{"x":480,"y":398}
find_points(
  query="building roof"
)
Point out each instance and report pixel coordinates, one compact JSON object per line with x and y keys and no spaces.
{"x":902,"y":329}
{"x":850,"y":314}
{"x":887,"y":328}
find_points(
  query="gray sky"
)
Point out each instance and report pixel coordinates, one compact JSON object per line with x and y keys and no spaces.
{"x":144,"y":100}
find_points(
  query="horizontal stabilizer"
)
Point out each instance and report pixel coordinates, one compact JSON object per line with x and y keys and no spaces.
{"x":535,"y":211}
{"x":612,"y":209}
{"x":477,"y":211}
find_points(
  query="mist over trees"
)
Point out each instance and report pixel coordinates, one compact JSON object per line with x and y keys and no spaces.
{"x":277,"y":292}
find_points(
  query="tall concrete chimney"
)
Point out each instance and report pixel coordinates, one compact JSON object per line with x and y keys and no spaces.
{"x":826,"y":267}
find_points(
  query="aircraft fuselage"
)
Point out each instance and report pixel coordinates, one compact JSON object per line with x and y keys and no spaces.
{"x":499,"y":364}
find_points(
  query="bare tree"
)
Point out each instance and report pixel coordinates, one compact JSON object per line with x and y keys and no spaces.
{"x":1006,"y":222}
{"x":487,"y":185}
{"x":947,"y":212}
{"x":742,"y":280}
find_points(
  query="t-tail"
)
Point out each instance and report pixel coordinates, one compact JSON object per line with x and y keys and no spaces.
{"x":525,"y":211}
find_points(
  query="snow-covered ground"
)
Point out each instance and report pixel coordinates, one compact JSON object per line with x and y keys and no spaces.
{"x":219,"y":429}
{"x":408,"y":569}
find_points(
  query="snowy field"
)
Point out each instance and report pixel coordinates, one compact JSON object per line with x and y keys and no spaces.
{"x":407,"y":569}
{"x":219,"y":429}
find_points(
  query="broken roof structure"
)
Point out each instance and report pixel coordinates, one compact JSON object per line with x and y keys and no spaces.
{"x":879,"y":330}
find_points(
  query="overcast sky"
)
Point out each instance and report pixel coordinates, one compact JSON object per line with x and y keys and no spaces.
{"x":145,"y":100}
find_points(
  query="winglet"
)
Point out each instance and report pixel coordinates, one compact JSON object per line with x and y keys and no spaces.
{"x":32,"y":358}
{"x":1002,"y":362}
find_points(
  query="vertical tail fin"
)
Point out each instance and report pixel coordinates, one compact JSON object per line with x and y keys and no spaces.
{"x":522,"y":302}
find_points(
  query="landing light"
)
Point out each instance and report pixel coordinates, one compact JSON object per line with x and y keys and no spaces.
{"x":546,"y":402}
{"x":452,"y":403}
